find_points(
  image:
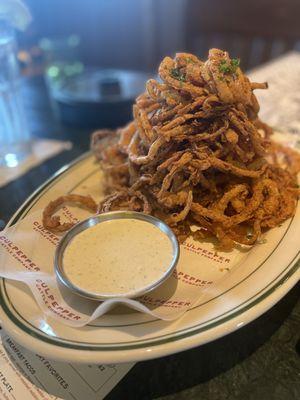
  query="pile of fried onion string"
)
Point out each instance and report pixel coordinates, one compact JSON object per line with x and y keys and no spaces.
{"x":196,"y":155}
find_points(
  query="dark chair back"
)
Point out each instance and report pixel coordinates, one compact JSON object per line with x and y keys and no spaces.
{"x":255,"y":31}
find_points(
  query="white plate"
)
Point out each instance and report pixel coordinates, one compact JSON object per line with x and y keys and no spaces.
{"x":267,"y":273}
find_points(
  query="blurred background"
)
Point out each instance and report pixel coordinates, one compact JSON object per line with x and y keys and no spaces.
{"x":91,"y":58}
{"x":96,"y":54}
{"x":136,"y":34}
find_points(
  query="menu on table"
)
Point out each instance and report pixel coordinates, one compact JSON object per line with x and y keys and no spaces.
{"x":28,"y":376}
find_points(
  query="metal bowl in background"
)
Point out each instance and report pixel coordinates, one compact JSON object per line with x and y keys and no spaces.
{"x":97,"y":98}
{"x":88,"y":223}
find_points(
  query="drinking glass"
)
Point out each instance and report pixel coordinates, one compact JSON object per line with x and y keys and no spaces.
{"x":15,"y":143}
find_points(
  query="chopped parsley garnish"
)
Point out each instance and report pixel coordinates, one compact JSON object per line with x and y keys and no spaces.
{"x":229,"y":68}
{"x":177,"y":74}
{"x":190,"y":60}
{"x":235,"y":62}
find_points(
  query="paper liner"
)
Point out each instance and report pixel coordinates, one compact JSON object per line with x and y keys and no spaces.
{"x":28,"y":256}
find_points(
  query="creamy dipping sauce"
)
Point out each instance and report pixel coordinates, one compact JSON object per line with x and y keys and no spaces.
{"x":117,"y":257}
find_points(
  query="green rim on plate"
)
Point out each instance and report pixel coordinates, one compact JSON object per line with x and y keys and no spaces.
{"x":27,"y":327}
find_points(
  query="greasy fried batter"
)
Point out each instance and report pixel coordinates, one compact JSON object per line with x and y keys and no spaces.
{"x":196,"y":153}
{"x":52,"y":222}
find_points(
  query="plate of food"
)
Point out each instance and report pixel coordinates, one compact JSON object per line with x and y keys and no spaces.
{"x":197,"y":157}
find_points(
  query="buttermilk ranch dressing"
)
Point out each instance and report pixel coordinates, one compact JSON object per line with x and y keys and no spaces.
{"x":117,"y":256}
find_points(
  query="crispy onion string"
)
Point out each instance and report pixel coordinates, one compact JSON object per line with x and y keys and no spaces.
{"x":196,"y":153}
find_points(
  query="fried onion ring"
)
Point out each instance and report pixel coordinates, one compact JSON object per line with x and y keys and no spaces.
{"x":52,"y":222}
